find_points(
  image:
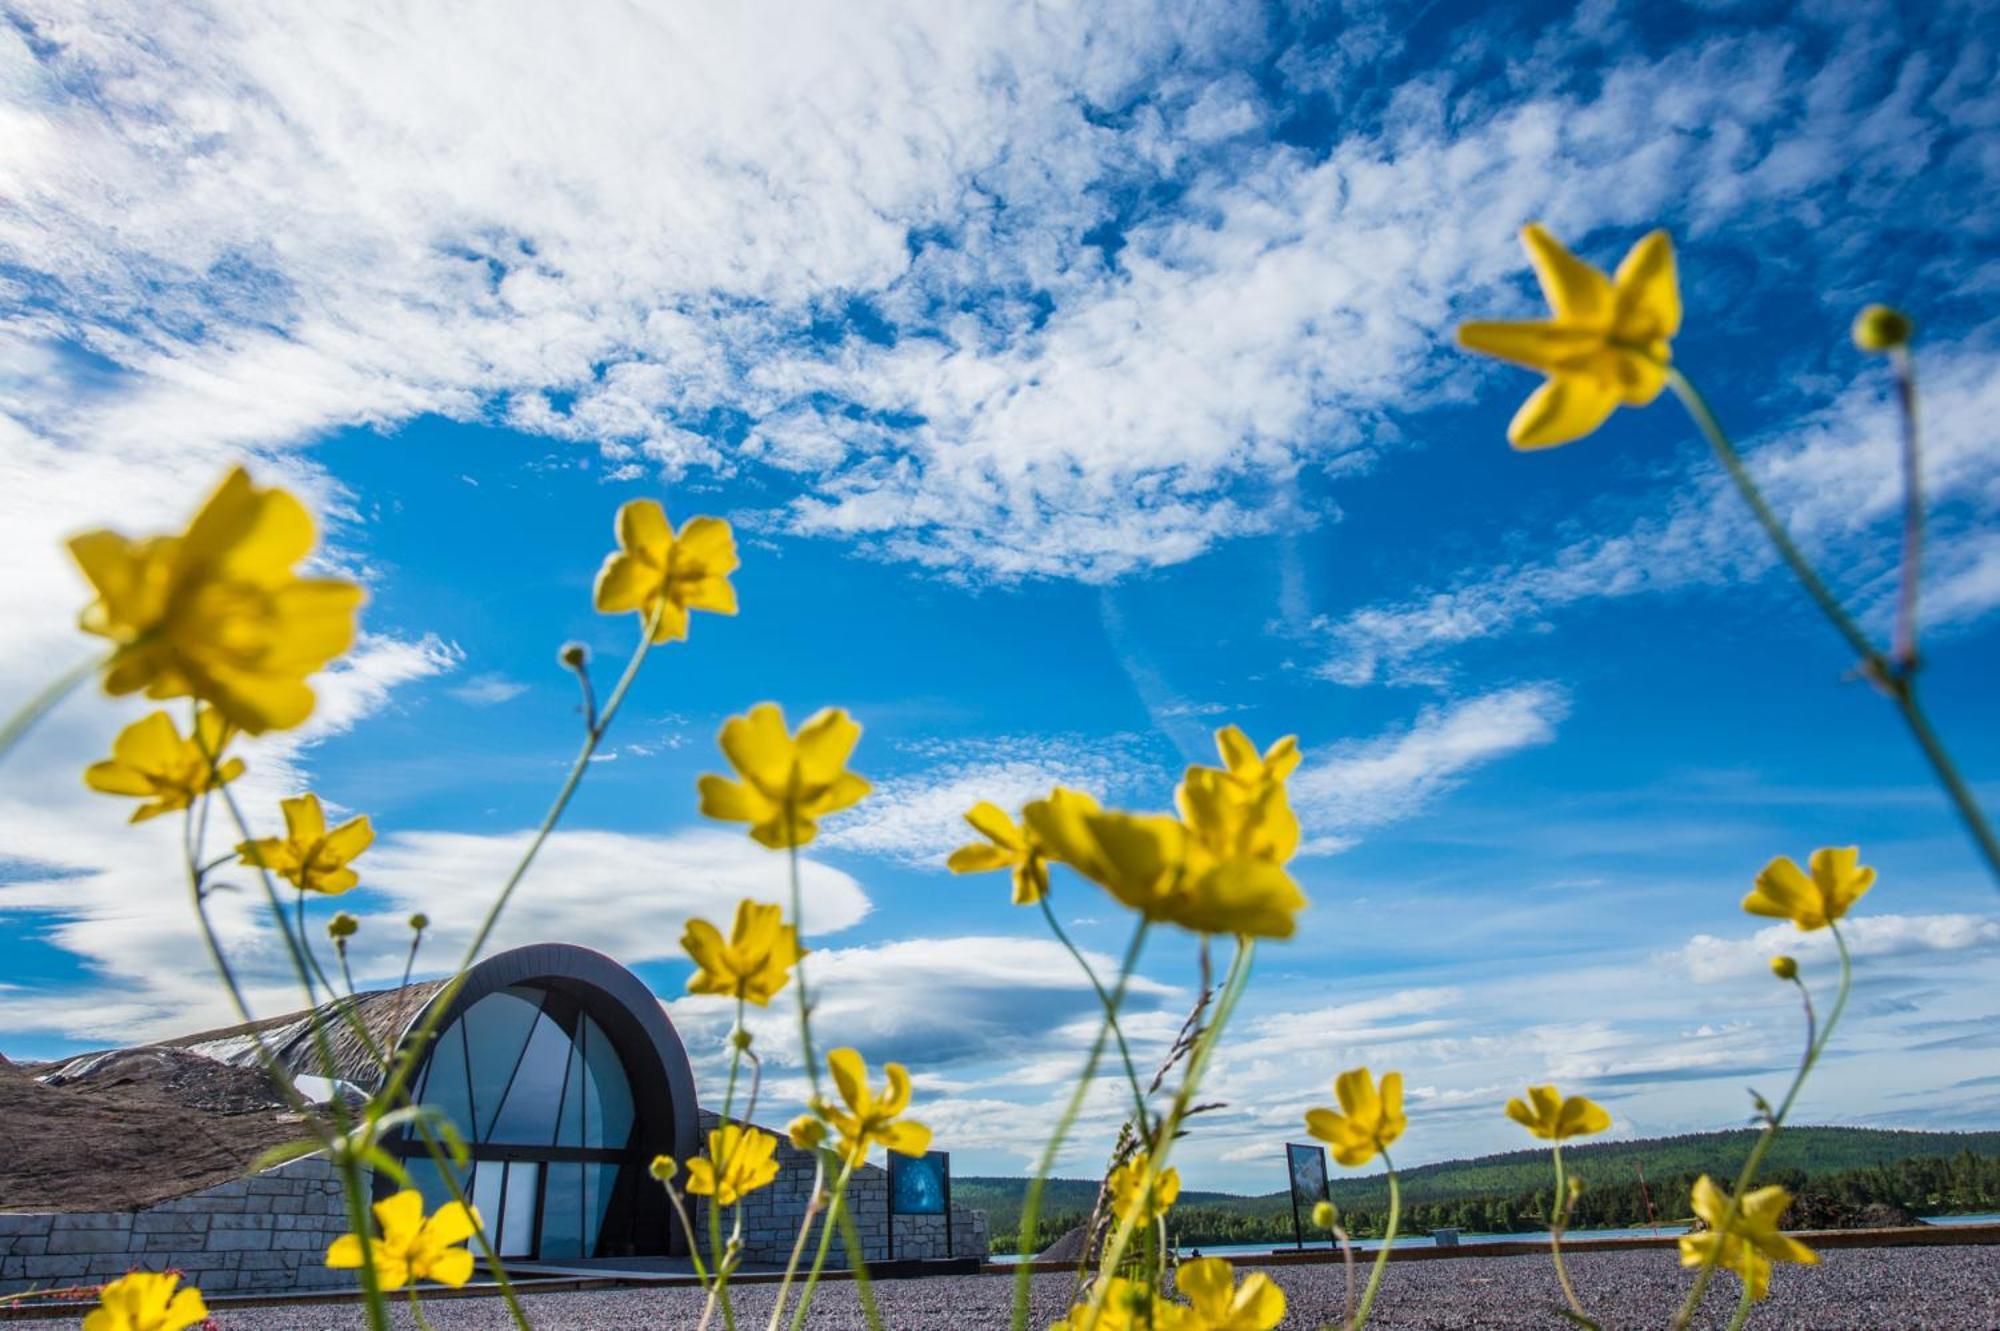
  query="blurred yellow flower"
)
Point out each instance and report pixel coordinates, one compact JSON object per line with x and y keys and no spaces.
{"x":1129,"y":1187}
{"x":664,"y":1168}
{"x":146,"y":1301}
{"x":1606,"y":344}
{"x":1148,"y":862}
{"x":1369,"y":1119}
{"x":1240,"y":833}
{"x":738,"y":1162}
{"x":754,"y":964}
{"x":1838,"y":880}
{"x":1252,"y":769}
{"x":411,"y":1248}
{"x":1007,"y":846}
{"x":807,"y":1133}
{"x":217,"y":613}
{"x":657,"y":573}
{"x":870,"y":1118}
{"x":1217,"y":1303}
{"x":1129,"y":1305}
{"x":788,"y":783}
{"x":1749,"y":1242}
{"x":308,"y":856}
{"x":151,"y":760}
{"x":1550,"y":1115}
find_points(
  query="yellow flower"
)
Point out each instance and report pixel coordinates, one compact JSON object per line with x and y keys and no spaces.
{"x":149,"y":759}
{"x":807,"y":1133}
{"x":1218,"y":1303}
{"x":217,"y":613}
{"x":658,"y":573}
{"x":1007,"y":846}
{"x":1148,"y":862}
{"x":1129,"y":1305}
{"x":788,"y":782}
{"x":1749,"y":1242}
{"x":1129,"y":1189}
{"x":1240,"y":833}
{"x":145,"y":1301}
{"x":663,"y":1168}
{"x":754,"y":964}
{"x":308,"y":856}
{"x":1838,"y":880}
{"x":1606,"y":344}
{"x":738,"y":1162}
{"x":411,"y":1248}
{"x":871,"y":1118}
{"x":1553,"y":1117}
{"x":1370,"y":1120}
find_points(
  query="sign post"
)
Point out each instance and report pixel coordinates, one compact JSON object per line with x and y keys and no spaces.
{"x":920,"y":1185}
{"x":1305,"y":1167}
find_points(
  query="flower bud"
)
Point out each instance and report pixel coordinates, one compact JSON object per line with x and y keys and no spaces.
{"x":740,"y":1038}
{"x":574,"y":656}
{"x":1785,"y":968}
{"x":807,"y":1132}
{"x":1325,"y":1215}
{"x":1880,"y":328}
{"x":342,"y":926}
{"x":420,"y":922}
{"x":1575,"y":1188}
{"x":663,"y":1168}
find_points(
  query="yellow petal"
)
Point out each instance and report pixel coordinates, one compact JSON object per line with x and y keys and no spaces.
{"x":305,"y":821}
{"x":1520,"y":1113}
{"x":897,"y":1098}
{"x":731,"y":801}
{"x":825,"y":742}
{"x":759,"y":748}
{"x":352,"y":837}
{"x":400,"y":1215}
{"x":452,"y":1268}
{"x":1562,"y":410}
{"x":1539,"y":345}
{"x":1782,"y":891}
{"x":846,"y":791}
{"x":992,"y":822}
{"x":1649,"y":294}
{"x":979,"y":857}
{"x":906,"y":1138}
{"x":624,"y":583}
{"x":850,"y":1074}
{"x":1207,"y":1283}
{"x":344,"y":1253}
{"x":115,"y":778}
{"x":710,"y":543}
{"x":714,"y":594}
{"x":1576,"y":292}
{"x":453,"y":1223}
{"x":643,"y":531}
{"x":1238,"y":753}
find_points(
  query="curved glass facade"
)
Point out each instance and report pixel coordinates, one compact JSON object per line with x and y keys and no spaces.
{"x":541,"y":1097}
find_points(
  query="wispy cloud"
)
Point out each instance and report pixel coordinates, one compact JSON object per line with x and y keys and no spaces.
{"x":488,"y":690}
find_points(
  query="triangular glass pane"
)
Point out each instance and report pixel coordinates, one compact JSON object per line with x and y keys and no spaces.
{"x":607,"y":1109}
{"x":496,"y":1028}
{"x":527,"y":1116}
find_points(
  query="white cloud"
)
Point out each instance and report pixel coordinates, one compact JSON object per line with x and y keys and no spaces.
{"x":920,"y":818}
{"x":488,"y":689}
{"x":1834,"y":478}
{"x":1708,"y":959}
{"x":1367,"y":783}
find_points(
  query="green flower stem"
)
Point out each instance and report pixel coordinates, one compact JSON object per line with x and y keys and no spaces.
{"x":1031,"y":1206}
{"x":674,"y":1199}
{"x":1742,"y":1314}
{"x":1896,"y":681}
{"x":419,"y":1039}
{"x":1905,"y":646}
{"x":799,"y":967}
{"x":44,"y":702}
{"x":799,"y":1243}
{"x":1235,"y":981}
{"x":720,"y":1289}
{"x":857,"y":1262}
{"x":1559,"y":1221}
{"x":1382,"y":1257}
{"x":1110,"y":1014}
{"x":1748,"y":1174}
{"x":834,"y":1209}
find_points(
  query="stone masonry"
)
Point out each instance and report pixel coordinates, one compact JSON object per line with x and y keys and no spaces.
{"x":771,"y":1216}
{"x":269,"y":1231}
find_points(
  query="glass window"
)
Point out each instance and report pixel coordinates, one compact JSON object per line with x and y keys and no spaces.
{"x":562,"y":1210}
{"x":607,"y":1107}
{"x":527,"y":1116}
{"x":444,"y":1086}
{"x":569,"y":1121}
{"x":488,"y":1184}
{"x":496,"y":1028}
{"x":517,"y":1221}
{"x":598,"y":1182}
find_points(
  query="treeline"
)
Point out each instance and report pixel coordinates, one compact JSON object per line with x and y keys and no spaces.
{"x":1965,"y":1181}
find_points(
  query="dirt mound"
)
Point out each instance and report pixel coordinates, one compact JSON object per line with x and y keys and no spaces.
{"x":132,"y":1128}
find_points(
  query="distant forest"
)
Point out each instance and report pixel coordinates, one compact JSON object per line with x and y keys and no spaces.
{"x":1928,"y":1173}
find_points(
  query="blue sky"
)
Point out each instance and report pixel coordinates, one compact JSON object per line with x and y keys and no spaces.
{"x":1077,"y":382}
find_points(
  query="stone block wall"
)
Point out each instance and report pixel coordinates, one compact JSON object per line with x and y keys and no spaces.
{"x":269,"y":1231}
{"x":771,"y":1216}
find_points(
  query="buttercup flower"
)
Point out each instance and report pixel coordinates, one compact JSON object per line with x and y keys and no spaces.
{"x":1218,"y":1303}
{"x":1749,"y":1242}
{"x":1251,"y":769}
{"x":410,"y":1247}
{"x":788,"y":783}
{"x":217,"y":613}
{"x":1129,"y":1305}
{"x":807,"y":1133}
{"x":1553,"y":1117}
{"x":1838,"y":880}
{"x":663,"y":1168}
{"x":1240,"y":833}
{"x":1606,"y":344}
{"x":754,"y":964}
{"x":151,"y":760}
{"x":738,"y":1162}
{"x":1369,"y":1119}
{"x":1007,"y":846}
{"x":656,"y":572}
{"x":1128,"y":1184}
{"x":308,"y":856}
{"x":146,"y":1301}
{"x":870,"y":1118}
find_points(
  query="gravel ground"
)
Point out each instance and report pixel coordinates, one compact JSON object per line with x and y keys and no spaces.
{"x":1855,"y":1289}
